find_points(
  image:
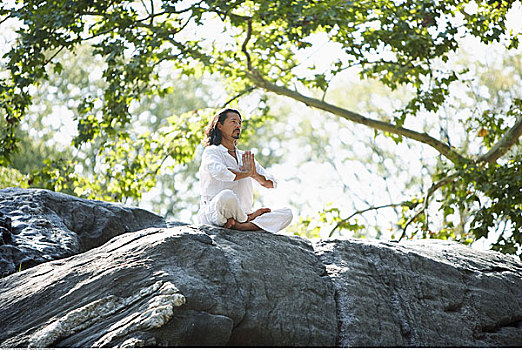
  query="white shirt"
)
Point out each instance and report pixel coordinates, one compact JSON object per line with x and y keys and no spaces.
{"x":215,"y":177}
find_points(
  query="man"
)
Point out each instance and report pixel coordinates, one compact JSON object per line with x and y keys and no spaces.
{"x":226,"y":178}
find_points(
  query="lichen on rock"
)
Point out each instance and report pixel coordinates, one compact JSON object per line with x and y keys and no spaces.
{"x":156,"y":312}
{"x":158,"y":302}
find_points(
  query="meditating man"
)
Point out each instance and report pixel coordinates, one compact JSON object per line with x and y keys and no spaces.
{"x":226,"y":175}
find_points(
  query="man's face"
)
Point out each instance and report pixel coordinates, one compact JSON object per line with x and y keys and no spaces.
{"x":231,"y":127}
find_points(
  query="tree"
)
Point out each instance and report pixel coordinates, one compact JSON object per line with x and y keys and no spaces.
{"x":46,"y":160}
{"x":409,"y":46}
{"x":496,"y":80}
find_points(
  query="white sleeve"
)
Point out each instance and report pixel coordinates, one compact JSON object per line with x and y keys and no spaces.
{"x":261,"y":171}
{"x":214,"y":165}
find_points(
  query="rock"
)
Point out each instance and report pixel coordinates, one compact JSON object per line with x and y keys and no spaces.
{"x":207,"y":286}
{"x":40,"y":225}
{"x":425,"y":293}
{"x":175,"y":223}
{"x":5,"y":230}
{"x":170,"y":287}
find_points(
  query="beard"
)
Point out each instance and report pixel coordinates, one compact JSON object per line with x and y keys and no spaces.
{"x":236,"y":136}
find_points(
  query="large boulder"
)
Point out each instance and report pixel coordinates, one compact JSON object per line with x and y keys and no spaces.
{"x":208,"y":286}
{"x":40,"y":225}
{"x":180,"y":286}
{"x":427,"y":293}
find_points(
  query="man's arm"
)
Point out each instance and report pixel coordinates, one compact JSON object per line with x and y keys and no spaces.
{"x":263,"y":181}
{"x":239,"y":174}
{"x":213,"y":164}
{"x":249,"y":169}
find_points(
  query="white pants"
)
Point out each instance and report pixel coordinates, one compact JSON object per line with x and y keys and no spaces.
{"x":225,"y":205}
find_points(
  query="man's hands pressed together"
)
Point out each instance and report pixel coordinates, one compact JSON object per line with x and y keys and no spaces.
{"x":249,"y":165}
{"x":248,"y":169}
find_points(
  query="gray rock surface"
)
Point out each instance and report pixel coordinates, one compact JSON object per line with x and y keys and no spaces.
{"x":206,"y":286}
{"x":426,"y":293}
{"x":180,"y":286}
{"x":41,"y":225}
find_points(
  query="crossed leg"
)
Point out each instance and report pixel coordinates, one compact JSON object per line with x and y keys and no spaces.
{"x":240,"y":226}
{"x":257,"y":213}
{"x":224,"y":210}
{"x":229,"y":213}
{"x":246,"y":226}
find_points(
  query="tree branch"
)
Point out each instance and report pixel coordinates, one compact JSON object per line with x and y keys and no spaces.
{"x":401,"y":204}
{"x":230,"y":14}
{"x":53,"y":56}
{"x":244,"y":46}
{"x":6,"y":18}
{"x":145,"y":7}
{"x":441,"y":147}
{"x":431,"y":190}
{"x":245,"y":91}
{"x":504,"y":144}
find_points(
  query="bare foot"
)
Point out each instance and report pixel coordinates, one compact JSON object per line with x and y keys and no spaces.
{"x":257,"y":213}
{"x":245,"y":226}
{"x":230,"y":222}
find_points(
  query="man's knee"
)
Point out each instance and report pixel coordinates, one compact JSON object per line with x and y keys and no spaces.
{"x":289,"y":216}
{"x":288,"y":212}
{"x":227,"y":198}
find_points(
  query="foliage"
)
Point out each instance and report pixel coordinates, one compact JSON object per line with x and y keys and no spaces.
{"x":310,"y":226}
{"x":443,"y":218}
{"x":133,"y":40}
{"x":494,"y":194}
{"x":404,"y":44}
{"x":12,"y":178}
{"x":129,"y":164}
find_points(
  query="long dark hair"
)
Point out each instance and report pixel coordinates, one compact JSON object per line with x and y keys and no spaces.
{"x":212,"y":133}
